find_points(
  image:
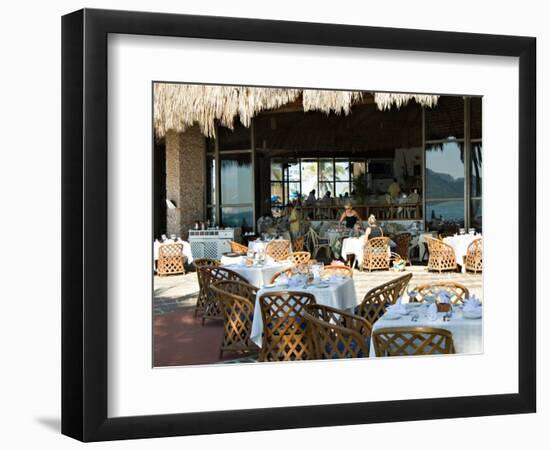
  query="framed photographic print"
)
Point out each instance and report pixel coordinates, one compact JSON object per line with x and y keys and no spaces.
{"x":274,"y":224}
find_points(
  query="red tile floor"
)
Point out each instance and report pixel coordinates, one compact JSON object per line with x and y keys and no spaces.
{"x":180,"y":339}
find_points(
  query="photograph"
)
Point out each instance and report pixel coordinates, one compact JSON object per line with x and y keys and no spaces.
{"x":297,"y":224}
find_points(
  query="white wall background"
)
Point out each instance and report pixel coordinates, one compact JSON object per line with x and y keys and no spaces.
{"x":30,"y":200}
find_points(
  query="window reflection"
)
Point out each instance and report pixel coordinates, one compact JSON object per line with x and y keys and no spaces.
{"x":476,"y":173}
{"x":236,"y":179}
{"x":445,"y":170}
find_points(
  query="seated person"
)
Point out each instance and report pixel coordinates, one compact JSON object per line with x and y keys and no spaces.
{"x":394,"y":189}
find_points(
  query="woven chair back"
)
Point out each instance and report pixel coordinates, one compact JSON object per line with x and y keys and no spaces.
{"x":458,"y":293}
{"x":337,"y":334}
{"x":402,"y":240}
{"x":278,"y":249}
{"x":376,"y":300}
{"x":238,"y":248}
{"x":441,"y":255}
{"x":376,"y":255}
{"x":474,"y":256}
{"x":285,"y":334}
{"x":201,"y":298}
{"x":171,"y":260}
{"x":336,"y":269}
{"x":299,"y":258}
{"x":237,"y":300}
{"x":210,"y":275}
{"x":406,"y":341}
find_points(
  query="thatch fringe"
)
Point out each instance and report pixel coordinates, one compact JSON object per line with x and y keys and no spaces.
{"x":180,"y":106}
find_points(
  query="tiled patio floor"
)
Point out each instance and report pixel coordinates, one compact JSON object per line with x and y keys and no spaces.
{"x":181,"y":339}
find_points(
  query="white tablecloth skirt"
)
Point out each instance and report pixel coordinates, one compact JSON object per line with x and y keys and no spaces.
{"x":353,"y":246}
{"x":258,"y":275}
{"x":339,"y":295}
{"x":467,"y":333}
{"x":460,"y":244}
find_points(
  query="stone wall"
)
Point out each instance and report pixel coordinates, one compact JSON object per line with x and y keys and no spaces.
{"x":185,"y":179}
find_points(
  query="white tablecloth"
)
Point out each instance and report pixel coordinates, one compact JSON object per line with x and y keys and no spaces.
{"x":460,"y":243}
{"x":186,"y":249}
{"x":467,"y":333}
{"x":259,"y":275}
{"x":339,"y":295}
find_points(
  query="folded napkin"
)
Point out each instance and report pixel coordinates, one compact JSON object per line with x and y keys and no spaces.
{"x":444,"y":297}
{"x":472,"y":304}
{"x":398,"y":307}
{"x":431,"y":314}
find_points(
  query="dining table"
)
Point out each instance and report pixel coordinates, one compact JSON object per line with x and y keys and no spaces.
{"x":338,"y":292}
{"x":258,"y":274}
{"x":467,"y":333}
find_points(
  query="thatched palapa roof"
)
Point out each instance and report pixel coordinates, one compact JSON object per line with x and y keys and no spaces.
{"x":180,"y":106}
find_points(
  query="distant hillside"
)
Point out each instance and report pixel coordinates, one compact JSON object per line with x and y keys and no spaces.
{"x":442,"y":185}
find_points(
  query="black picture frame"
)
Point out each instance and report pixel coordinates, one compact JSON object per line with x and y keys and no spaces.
{"x":84,"y":224}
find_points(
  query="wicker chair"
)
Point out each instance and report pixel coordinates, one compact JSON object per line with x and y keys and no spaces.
{"x":403,"y":240}
{"x":285,"y":336}
{"x":408,"y":341}
{"x":457,"y":292}
{"x":299,"y":258}
{"x":336,"y":269}
{"x":201,"y":299}
{"x":211,"y":275}
{"x":376,"y":254}
{"x":375,"y":302}
{"x":442,"y":256}
{"x":316,"y":243}
{"x":287,"y":272}
{"x":298,"y":244}
{"x":278,"y":249}
{"x":337,"y":334}
{"x":237,"y":300}
{"x":474,"y":256}
{"x":238,"y":248}
{"x":171,"y":260}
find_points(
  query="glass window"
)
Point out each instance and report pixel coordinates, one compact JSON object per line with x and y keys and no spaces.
{"x":236,"y":139}
{"x":276,"y":171}
{"x":236,"y":179}
{"x":292,"y":191}
{"x":309,"y":176}
{"x":325,"y":187}
{"x":445,"y":170}
{"x":341,"y":188}
{"x":441,"y":214}
{"x":211,"y":180}
{"x":276,"y":193}
{"x":293,"y":171}
{"x":326,"y":172}
{"x":237,"y":217}
{"x":446,"y":120}
{"x":475,"y":214}
{"x":341,"y":171}
{"x":475,"y":171}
